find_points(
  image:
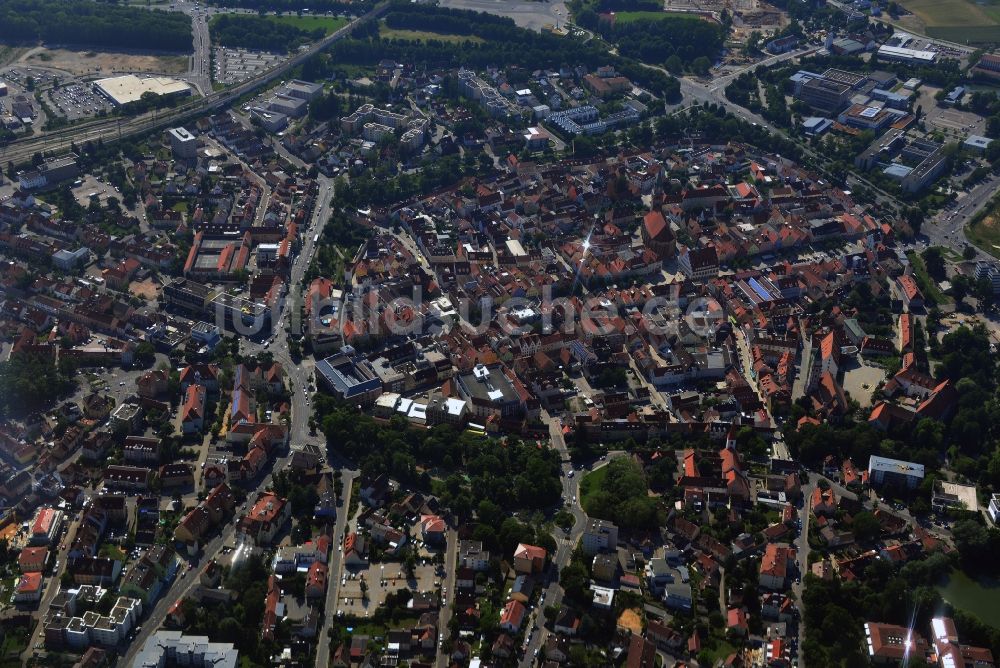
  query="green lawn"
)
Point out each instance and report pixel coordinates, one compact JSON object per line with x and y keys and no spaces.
{"x":632,"y":17}
{"x":936,"y":13}
{"x":962,"y":21}
{"x":15,"y":641}
{"x":717,"y":648}
{"x":330,"y":24}
{"x":385,"y":32}
{"x":591,"y":483}
{"x":966,"y":34}
{"x":111,"y":552}
{"x":984,"y":233}
{"x":927,"y":286}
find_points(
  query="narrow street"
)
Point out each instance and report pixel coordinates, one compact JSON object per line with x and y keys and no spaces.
{"x":554,"y":592}
{"x":333,"y":589}
{"x":448,"y":582}
{"x":802,"y":551}
{"x":298,"y":381}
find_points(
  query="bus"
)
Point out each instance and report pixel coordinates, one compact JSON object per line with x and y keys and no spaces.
{"x":315,"y":238}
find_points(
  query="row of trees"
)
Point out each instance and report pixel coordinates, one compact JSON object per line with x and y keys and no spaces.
{"x":30,"y":383}
{"x":689,"y":41}
{"x":835,"y":610}
{"x":93,"y":24}
{"x":468,"y":469}
{"x":381,"y":186}
{"x":504,"y":42}
{"x":622,"y":496}
{"x":239,"y":622}
{"x":335,"y":6}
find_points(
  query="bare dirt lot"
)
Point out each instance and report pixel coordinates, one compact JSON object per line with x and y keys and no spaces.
{"x":97,"y":62}
{"x":148,"y":289}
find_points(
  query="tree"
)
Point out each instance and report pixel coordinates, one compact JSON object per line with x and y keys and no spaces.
{"x":30,"y":382}
{"x":564,"y":519}
{"x":976,"y":545}
{"x":623,"y":497}
{"x":575,"y":582}
{"x":934,"y":261}
{"x":701,"y":65}
{"x":960,"y":288}
{"x":865,"y":527}
{"x":145,"y":354}
{"x":983,"y":290}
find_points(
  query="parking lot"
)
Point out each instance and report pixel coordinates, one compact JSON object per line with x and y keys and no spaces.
{"x":39,"y":77}
{"x":91,"y":186}
{"x":77,"y":100}
{"x":236,"y":65}
{"x":959,"y":122}
{"x":381,"y":579}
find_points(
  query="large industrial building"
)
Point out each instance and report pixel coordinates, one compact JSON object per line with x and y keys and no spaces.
{"x":130,"y":88}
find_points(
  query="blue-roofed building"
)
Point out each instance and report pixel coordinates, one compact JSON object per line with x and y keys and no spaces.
{"x":897,"y":171}
{"x":816,"y":125}
{"x":349,"y":378}
{"x":955,"y":95}
{"x":977,"y":143}
{"x":803,"y":76}
{"x":894,"y":100}
{"x":759,"y":289}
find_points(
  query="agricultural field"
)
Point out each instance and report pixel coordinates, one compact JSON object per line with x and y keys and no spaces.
{"x":961,"y":21}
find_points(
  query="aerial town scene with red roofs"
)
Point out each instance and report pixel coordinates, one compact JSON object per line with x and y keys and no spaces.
{"x":603,"y":333}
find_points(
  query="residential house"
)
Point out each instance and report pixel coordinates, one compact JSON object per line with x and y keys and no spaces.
{"x":529,"y":558}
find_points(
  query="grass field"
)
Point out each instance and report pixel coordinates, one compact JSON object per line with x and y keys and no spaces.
{"x":961,"y":21}
{"x":632,"y":17}
{"x":984,"y":233}
{"x":330,"y":24}
{"x":932,"y":293}
{"x":385,"y":32}
{"x":591,"y":483}
{"x":966,"y":34}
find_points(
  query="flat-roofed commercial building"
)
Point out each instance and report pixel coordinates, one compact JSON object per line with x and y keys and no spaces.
{"x":886,"y":471}
{"x":130,"y":88}
{"x":350,"y":379}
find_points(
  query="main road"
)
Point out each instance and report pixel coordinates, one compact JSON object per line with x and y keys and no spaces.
{"x":565,"y":543}
{"x":298,"y":379}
